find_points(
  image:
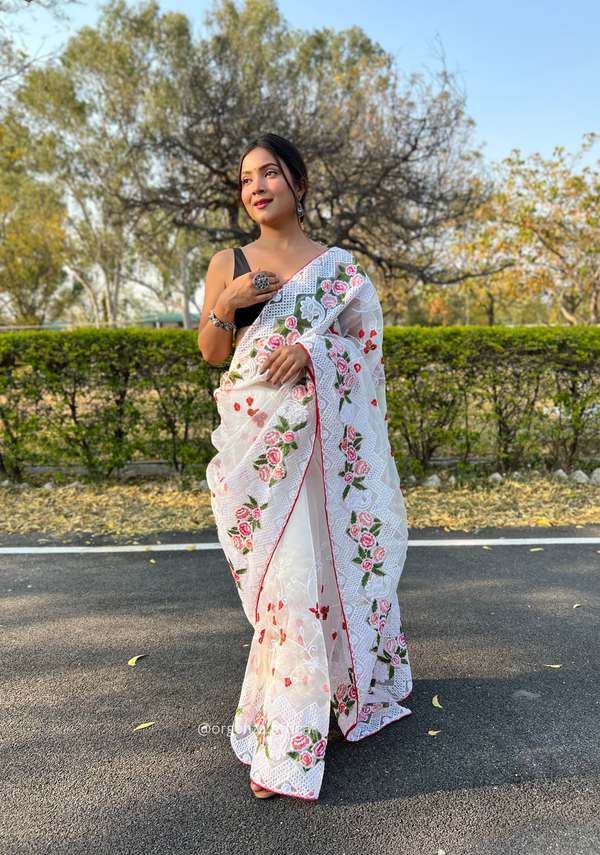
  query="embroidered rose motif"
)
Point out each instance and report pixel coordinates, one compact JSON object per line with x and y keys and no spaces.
{"x":271,"y":437}
{"x":341,"y":691}
{"x":351,"y":269}
{"x":291,"y":322}
{"x":264,"y":473}
{"x":319,"y":749}
{"x":340,"y":287}
{"x":342,"y":708}
{"x":274,"y":456}
{"x":341,"y":365}
{"x":357,"y":280}
{"x":299,"y":742}
{"x":354,"y":530}
{"x":274,"y":341}
{"x":351,"y":433}
{"x":396,"y":660}
{"x":256,"y":513}
{"x":338,"y":345}
{"x":278,"y":473}
{"x":401,"y":640}
{"x":227,"y":385}
{"x":384,"y":605}
{"x":326,"y":286}
{"x":379,"y":554}
{"x":237,"y":542}
{"x":390,"y":645}
{"x":261,"y":357}
{"x":361,"y":467}
{"x":348,"y":478}
{"x":374,"y":619}
{"x":245,"y":529}
{"x":299,"y":393}
{"x":306,"y":759}
{"x":365,"y":519}
{"x":349,"y":380}
{"x":353,"y":693}
{"x":328,"y":301}
{"x":242,"y":513}
{"x":367,"y":540}
{"x":367,"y":565}
{"x":293,"y":337}
{"x":289,"y":436}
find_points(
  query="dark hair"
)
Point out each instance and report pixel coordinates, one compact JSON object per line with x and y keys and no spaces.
{"x":279,"y":148}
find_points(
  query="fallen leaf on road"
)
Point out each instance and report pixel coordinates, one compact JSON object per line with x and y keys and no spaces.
{"x":537,"y":549}
{"x":135,"y":658}
{"x":140,"y":726}
{"x":552,"y":666}
{"x":436,"y":703}
{"x":433,"y":732}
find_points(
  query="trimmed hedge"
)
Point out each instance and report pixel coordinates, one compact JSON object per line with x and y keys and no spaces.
{"x":102,"y":398}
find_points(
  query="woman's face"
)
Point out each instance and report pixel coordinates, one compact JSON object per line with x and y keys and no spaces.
{"x":264,"y":183}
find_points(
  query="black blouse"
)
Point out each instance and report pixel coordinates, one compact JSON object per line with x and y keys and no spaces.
{"x":247,"y":314}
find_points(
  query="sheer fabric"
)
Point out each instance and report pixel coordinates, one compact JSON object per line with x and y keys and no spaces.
{"x":310,"y":514}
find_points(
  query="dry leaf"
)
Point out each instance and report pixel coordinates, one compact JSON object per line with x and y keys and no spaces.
{"x":487,"y":547}
{"x":433,"y":732}
{"x":135,"y":658}
{"x":577,"y":605}
{"x":436,"y":703}
{"x":542,"y":521}
{"x":140,"y":726}
{"x":152,"y":561}
{"x":190,"y":548}
{"x":537,"y":549}
{"x":552,"y":666}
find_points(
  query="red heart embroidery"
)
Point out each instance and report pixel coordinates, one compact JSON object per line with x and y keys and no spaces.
{"x":374,"y":402}
{"x":373,"y":332}
{"x":357,"y":366}
{"x":361,"y":333}
{"x":249,"y":401}
{"x":236,"y":406}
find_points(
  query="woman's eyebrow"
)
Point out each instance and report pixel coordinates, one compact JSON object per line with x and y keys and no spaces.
{"x":258,"y":168}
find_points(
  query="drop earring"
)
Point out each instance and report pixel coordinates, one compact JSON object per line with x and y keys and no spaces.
{"x":299,"y":207}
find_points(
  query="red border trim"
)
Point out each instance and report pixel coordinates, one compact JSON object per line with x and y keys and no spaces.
{"x":329,"y":530}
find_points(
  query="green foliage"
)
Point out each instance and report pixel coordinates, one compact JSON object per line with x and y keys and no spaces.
{"x":102,"y":398}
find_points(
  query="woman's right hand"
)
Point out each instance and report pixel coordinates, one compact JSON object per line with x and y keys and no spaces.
{"x":242,"y":292}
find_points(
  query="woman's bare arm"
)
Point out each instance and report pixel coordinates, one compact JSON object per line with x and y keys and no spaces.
{"x":215,"y":343}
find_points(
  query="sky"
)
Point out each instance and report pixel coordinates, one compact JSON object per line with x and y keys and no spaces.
{"x":530,"y":69}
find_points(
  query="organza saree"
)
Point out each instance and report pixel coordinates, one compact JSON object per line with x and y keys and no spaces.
{"x":310,"y":514}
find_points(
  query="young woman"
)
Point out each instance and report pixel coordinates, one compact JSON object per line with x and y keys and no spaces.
{"x":304,"y":489}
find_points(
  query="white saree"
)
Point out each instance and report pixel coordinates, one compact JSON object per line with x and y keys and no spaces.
{"x":310,"y":514}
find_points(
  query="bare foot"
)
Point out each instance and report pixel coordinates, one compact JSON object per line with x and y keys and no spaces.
{"x":260,"y":792}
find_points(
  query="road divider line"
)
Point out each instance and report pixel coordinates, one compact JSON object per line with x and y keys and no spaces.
{"x":199,"y":547}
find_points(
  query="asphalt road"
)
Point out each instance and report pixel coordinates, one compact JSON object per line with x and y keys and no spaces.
{"x":515,"y":767}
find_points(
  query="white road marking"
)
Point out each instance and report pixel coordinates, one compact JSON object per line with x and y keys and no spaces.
{"x":197,"y":547}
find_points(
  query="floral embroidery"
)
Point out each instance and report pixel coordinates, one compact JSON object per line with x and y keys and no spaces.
{"x":322,"y":613}
{"x":394,"y":653}
{"x":248,"y":517}
{"x":345,"y":377}
{"x":377,"y":619}
{"x":345,"y":697}
{"x":364,"y":529}
{"x":355,"y":469}
{"x":308,"y":748}
{"x":261,"y":729}
{"x":280,"y":439}
{"x":236,"y":573}
{"x":228,"y":379}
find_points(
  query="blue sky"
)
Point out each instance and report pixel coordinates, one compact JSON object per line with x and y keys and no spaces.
{"x":531,"y":69}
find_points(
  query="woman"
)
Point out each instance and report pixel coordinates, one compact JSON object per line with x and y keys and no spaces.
{"x":304,"y":488}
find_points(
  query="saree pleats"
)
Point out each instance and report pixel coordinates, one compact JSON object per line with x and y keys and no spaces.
{"x":310,"y":515}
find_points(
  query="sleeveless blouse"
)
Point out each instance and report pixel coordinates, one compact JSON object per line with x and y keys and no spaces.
{"x":247,"y":314}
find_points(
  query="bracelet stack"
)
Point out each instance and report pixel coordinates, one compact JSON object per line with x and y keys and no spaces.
{"x":218,"y":323}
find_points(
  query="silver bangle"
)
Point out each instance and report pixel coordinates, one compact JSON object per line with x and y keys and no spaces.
{"x":223,"y":324}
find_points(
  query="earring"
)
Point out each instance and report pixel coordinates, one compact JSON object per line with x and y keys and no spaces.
{"x":299,"y":207}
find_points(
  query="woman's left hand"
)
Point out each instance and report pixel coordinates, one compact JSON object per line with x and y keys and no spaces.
{"x":285,"y":362}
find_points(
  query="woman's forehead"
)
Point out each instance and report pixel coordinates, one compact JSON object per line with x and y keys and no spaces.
{"x":257,"y":159}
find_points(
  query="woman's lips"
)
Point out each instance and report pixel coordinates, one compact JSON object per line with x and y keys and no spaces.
{"x":262,"y":204}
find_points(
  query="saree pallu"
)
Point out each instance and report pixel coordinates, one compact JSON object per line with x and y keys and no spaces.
{"x":310,"y":515}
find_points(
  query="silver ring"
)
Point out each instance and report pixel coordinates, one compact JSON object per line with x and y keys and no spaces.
{"x":260,"y":281}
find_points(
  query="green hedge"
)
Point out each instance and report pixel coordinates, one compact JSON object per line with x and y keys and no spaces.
{"x":102,"y":398}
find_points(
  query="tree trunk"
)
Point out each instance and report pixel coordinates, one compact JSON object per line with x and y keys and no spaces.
{"x":183,"y":281}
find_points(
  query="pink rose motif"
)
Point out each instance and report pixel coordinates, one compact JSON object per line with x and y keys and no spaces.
{"x":242,"y":513}
{"x":289,"y":436}
{"x":256,"y":512}
{"x":379,"y":553}
{"x":291,"y":323}
{"x":402,"y":641}
{"x":361,"y":467}
{"x":341,"y":691}
{"x":367,"y":565}
{"x":381,"y":626}
{"x":278,"y":473}
{"x":351,"y":453}
{"x":374,"y":619}
{"x":367,"y":540}
{"x":261,"y":357}
{"x":351,"y":269}
{"x":351,"y":434}
{"x":357,"y":280}
{"x":365,"y":519}
{"x":348,"y":477}
{"x":341,"y":390}
{"x":362,"y":717}
{"x":349,"y":380}
{"x":390,"y":645}
{"x":328,"y":301}
{"x":396,"y":659}
{"x":227,"y":385}
{"x":354,"y":530}
{"x":384,"y":605}
{"x":274,"y":455}
{"x":344,"y":444}
{"x":342,"y":708}
{"x":235,"y":576}
{"x":341,"y":365}
{"x":300,"y":742}
{"x":306,"y":759}
{"x":377,"y":707}
{"x":258,"y":718}
{"x":309,"y":387}
{"x":260,"y":342}
{"x":264,"y":473}
{"x":237,"y":542}
{"x":339,"y":346}
{"x":353,"y":693}
{"x":248,"y":544}
{"x":271,"y":437}
{"x":326,"y":286}
{"x":319,"y":748}
{"x":340,"y":287}
{"x":276,"y":340}
{"x":245,"y":528}
{"x":365,"y":710}
{"x":299,"y":393}
{"x":293,"y":337}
